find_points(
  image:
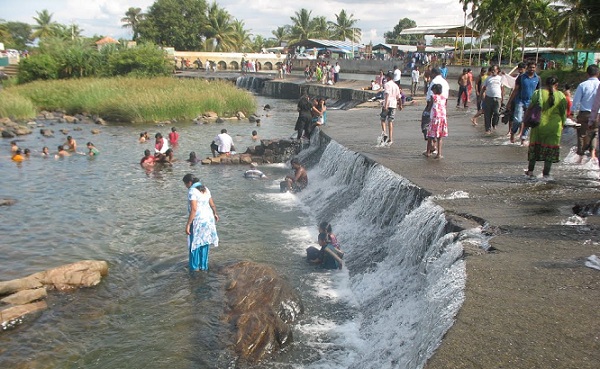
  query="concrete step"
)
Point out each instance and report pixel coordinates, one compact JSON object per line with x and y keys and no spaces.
{"x":11,"y":70}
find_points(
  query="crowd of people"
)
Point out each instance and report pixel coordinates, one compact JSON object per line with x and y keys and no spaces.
{"x":68,"y":148}
{"x":322,"y":72}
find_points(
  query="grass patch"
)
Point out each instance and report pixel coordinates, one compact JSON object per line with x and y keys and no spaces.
{"x":15,"y":107}
{"x":136,"y":100}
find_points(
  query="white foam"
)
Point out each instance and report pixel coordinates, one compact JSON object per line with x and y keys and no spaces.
{"x":453,"y":196}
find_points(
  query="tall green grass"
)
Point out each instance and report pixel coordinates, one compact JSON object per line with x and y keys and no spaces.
{"x":14,"y":106}
{"x":128,"y":99}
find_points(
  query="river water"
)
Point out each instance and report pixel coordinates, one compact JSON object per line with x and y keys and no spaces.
{"x":389,"y":308}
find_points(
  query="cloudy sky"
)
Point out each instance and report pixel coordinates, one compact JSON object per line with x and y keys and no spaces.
{"x":375,"y":17}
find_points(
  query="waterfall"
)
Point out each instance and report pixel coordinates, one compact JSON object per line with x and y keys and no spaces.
{"x":251,"y":83}
{"x":405,"y":268}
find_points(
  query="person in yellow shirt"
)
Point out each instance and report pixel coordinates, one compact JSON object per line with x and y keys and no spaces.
{"x":18,"y":156}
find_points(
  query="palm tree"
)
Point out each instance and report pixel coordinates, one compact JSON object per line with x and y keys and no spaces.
{"x":320,"y":28}
{"x":282,"y":34}
{"x":344,"y":27}
{"x":220,"y":29}
{"x":241,"y":36}
{"x":133,"y":18}
{"x":45,"y":27}
{"x":301,"y":26}
{"x":571,"y":24}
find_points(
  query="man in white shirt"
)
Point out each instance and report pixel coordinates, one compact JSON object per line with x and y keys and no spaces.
{"x":397,"y":75}
{"x":391,"y":99}
{"x":493,"y":90}
{"x":223,"y":143}
{"x":336,"y":74}
{"x":415,"y":80}
{"x":587,"y":135}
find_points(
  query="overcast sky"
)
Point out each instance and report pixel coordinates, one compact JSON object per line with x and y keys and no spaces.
{"x":375,"y":17}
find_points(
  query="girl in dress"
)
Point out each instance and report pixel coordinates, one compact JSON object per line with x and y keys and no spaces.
{"x":438,"y":128}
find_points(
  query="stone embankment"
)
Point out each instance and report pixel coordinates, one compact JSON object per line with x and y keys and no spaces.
{"x":25,"y":296}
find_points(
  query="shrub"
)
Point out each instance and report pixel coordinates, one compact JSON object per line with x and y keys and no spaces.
{"x":40,"y":66}
{"x":140,"y":61}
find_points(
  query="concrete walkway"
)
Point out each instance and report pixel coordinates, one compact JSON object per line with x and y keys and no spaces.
{"x":530,"y":303}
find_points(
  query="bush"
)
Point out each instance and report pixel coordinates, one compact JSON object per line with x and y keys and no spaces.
{"x":41,"y":66}
{"x":140,"y":61}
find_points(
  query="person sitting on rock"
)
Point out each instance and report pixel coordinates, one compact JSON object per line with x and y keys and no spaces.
{"x":298,"y":181}
{"x":327,"y":257}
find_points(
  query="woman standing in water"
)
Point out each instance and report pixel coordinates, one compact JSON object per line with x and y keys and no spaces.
{"x":201,"y":223}
{"x":544,"y":143}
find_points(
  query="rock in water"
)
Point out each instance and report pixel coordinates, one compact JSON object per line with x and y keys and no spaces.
{"x":261,"y":306}
{"x":84,"y":273}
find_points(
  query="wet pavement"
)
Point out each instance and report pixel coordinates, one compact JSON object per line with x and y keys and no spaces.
{"x":530,"y":302}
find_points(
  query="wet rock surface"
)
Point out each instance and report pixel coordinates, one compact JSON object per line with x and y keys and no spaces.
{"x":25,"y":296}
{"x":261,"y":306}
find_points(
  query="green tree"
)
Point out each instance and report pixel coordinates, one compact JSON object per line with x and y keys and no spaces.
{"x":176,"y":23}
{"x":344,"y":27}
{"x":394,"y":37}
{"x":573,"y":23}
{"x":241,"y":37}
{"x":301,"y":26}
{"x":19,"y":34}
{"x":45,"y":26}
{"x":282,"y":34}
{"x":220,"y":29}
{"x":320,"y":28}
{"x":133,"y":18}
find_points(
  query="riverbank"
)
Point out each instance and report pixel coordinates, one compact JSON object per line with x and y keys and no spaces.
{"x":531,"y":302}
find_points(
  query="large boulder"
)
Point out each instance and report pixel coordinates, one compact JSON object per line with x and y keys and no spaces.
{"x":84,"y":273}
{"x":261,"y":306}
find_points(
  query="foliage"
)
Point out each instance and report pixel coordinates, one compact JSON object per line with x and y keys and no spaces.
{"x":394,"y":37}
{"x":143,"y":60}
{"x":18,"y":35}
{"x":128,"y":99}
{"x":15,"y":106}
{"x":133,"y":18}
{"x":176,"y":23}
{"x":344,"y":27}
{"x":45,"y":26}
{"x":42,"y":66}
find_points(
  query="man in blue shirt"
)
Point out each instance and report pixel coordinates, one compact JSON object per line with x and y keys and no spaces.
{"x":444,"y":71}
{"x":525,"y":85}
{"x":587,"y":135}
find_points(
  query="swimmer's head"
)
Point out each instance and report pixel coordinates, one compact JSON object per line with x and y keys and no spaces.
{"x":146,"y":152}
{"x":254,"y":133}
{"x":60,"y":148}
{"x":158,"y":135}
{"x":173,"y":129}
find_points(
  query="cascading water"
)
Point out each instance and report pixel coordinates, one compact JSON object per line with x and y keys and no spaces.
{"x":405,"y":270}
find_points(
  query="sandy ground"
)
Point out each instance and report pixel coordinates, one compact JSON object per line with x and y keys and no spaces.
{"x":531,"y":302}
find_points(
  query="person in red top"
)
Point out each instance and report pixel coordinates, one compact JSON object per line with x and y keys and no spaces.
{"x":567,"y":92}
{"x":173,"y":137}
{"x":148,"y":159}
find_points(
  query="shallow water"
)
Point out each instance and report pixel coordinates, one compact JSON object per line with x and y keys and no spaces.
{"x":389,"y":307}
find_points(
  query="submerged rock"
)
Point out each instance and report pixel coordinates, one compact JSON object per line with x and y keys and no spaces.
{"x":261,"y":306}
{"x":24,"y":291}
{"x":84,"y":273}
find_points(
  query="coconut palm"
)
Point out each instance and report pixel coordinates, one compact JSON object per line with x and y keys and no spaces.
{"x":220,"y":29}
{"x":132,"y":19}
{"x":320,"y":28}
{"x":344,"y":27}
{"x":281,"y":34}
{"x":571,"y":24}
{"x":241,"y":36}
{"x":45,"y":26}
{"x":301,"y":26}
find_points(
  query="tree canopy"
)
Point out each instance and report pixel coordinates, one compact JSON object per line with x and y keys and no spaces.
{"x":394,"y":37}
